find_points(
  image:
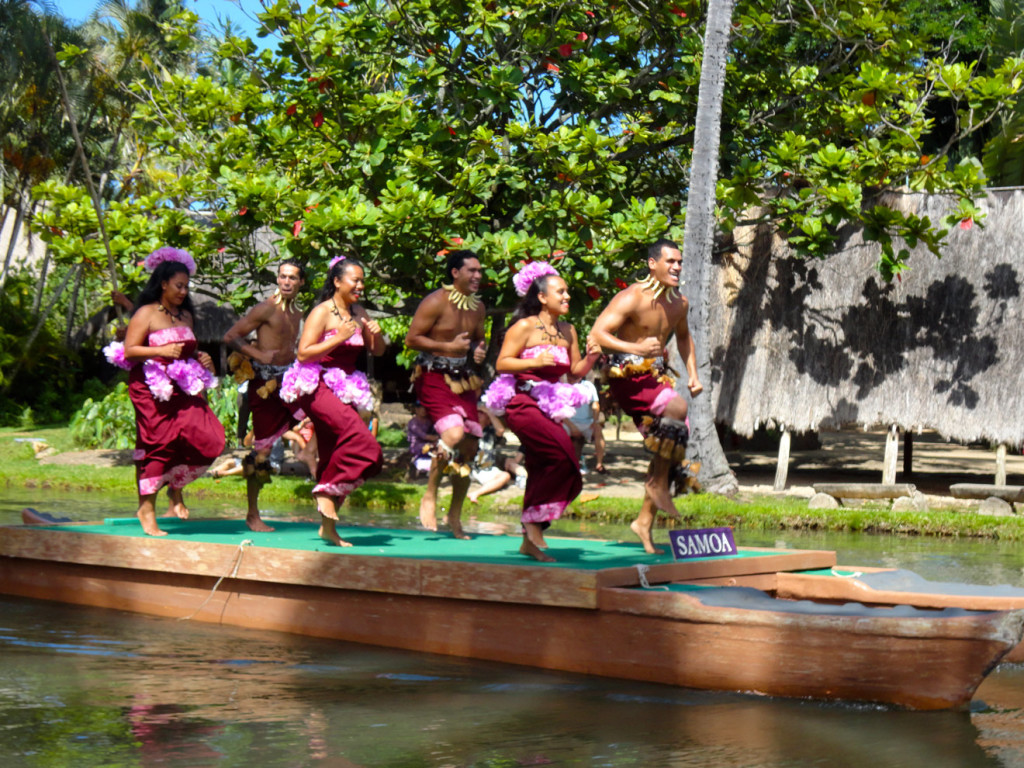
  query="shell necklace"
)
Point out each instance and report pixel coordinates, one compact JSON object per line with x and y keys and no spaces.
{"x":286,"y":304}
{"x":175,"y":316}
{"x":658,"y":288}
{"x":461,"y":300}
{"x":548,"y":337}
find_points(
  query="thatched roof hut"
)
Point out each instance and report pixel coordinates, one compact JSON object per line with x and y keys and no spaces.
{"x":808,"y":344}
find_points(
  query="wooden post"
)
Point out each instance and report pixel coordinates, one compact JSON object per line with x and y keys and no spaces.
{"x":1001,"y":464}
{"x":782,"y":467}
{"x":908,"y":455}
{"x":892,"y":450}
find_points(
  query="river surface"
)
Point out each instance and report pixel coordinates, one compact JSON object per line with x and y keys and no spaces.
{"x":91,"y":687}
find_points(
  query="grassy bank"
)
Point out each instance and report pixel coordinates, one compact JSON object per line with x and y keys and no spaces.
{"x":20,"y":469}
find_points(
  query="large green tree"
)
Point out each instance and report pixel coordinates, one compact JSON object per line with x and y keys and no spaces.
{"x":537,"y":129}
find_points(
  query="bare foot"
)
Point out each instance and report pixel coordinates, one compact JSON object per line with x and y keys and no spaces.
{"x":177,"y":506}
{"x":644,"y":534}
{"x":428,"y":513}
{"x":472,"y":498}
{"x":330,"y":535}
{"x":535,"y":535}
{"x":529,"y":549}
{"x":658,"y":493}
{"x":326,"y":509}
{"x":458,"y":533}
{"x":149,"y":526}
{"x":255,"y":523}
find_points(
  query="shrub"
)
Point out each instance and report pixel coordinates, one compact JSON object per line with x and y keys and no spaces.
{"x":105,"y":423}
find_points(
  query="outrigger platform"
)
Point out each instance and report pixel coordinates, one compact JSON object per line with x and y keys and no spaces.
{"x":604,"y":608}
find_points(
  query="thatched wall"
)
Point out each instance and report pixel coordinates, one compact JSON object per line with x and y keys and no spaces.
{"x":808,"y":344}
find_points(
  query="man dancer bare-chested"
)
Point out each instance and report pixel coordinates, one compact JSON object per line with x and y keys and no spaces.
{"x":276,"y":322}
{"x":448,"y":331}
{"x":633,"y":330}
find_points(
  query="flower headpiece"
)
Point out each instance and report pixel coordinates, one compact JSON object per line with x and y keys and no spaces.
{"x":167,"y":253}
{"x":524,"y":278}
{"x":335,"y":260}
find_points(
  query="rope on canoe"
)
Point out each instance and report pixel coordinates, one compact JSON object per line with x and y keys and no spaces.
{"x":641,"y":572}
{"x":231,"y":571}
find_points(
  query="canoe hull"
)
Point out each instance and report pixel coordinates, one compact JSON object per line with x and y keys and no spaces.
{"x":632,"y":634}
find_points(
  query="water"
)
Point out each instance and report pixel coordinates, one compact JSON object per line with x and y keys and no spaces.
{"x":91,"y":687}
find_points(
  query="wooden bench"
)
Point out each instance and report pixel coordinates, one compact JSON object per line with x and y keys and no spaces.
{"x":865,"y":490}
{"x":1010,"y":493}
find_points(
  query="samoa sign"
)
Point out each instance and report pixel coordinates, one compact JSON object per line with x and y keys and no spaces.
{"x":702,"y":542}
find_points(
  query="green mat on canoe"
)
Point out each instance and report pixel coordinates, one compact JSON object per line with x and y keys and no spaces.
{"x":587,"y":554}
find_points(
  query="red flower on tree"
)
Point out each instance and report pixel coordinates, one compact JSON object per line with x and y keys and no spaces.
{"x":593,"y":293}
{"x":621,"y":283}
{"x":318,"y":119}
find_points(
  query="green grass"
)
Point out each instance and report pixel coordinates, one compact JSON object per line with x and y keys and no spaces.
{"x":20,"y":469}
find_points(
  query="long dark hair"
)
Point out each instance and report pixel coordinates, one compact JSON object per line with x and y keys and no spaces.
{"x":530,"y":304}
{"x":154,"y":289}
{"x":337,"y":272}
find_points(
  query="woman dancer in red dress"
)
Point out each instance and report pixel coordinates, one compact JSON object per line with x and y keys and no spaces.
{"x":176,"y":434}
{"x":538,"y":354}
{"x":326,"y":385}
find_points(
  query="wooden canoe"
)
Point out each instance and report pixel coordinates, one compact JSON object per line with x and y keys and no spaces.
{"x":588,"y":613}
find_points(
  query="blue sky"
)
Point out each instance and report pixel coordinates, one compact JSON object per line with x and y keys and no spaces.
{"x":208,"y":10}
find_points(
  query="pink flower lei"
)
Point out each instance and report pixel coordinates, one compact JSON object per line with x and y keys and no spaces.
{"x":498,"y":394}
{"x":524,"y":278}
{"x":114,"y":352}
{"x":167,"y":253}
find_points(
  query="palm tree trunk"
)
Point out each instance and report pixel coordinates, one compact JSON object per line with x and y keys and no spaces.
{"x":80,"y":148}
{"x":13,"y":241}
{"x":41,"y":285}
{"x":698,"y":238}
{"x":73,"y":306}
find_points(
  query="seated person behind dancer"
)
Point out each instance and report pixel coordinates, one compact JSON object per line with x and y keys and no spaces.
{"x":489,"y":470}
{"x":177,"y":436}
{"x":633,"y":330}
{"x":324,"y":382}
{"x":448,"y":331}
{"x":276,"y":324}
{"x":420,"y":434}
{"x":303,"y":442}
{"x":586,"y":425}
{"x":538,"y":353}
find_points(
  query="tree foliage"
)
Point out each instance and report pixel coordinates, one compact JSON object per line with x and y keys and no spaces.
{"x":394,"y":130}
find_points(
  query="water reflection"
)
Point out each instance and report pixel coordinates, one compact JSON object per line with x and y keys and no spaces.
{"x":89,"y":687}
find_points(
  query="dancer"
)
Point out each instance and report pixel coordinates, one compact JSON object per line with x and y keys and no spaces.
{"x":538,"y":353}
{"x":276,"y":324}
{"x":634,"y":329}
{"x":325,"y":384}
{"x":176,"y":434}
{"x":448,"y":331}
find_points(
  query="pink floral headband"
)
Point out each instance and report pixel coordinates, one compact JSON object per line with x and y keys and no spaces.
{"x":167,"y":253}
{"x":530,"y":272}
{"x":334,"y":261}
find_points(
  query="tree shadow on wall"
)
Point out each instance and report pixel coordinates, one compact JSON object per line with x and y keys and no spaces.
{"x":871,"y":341}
